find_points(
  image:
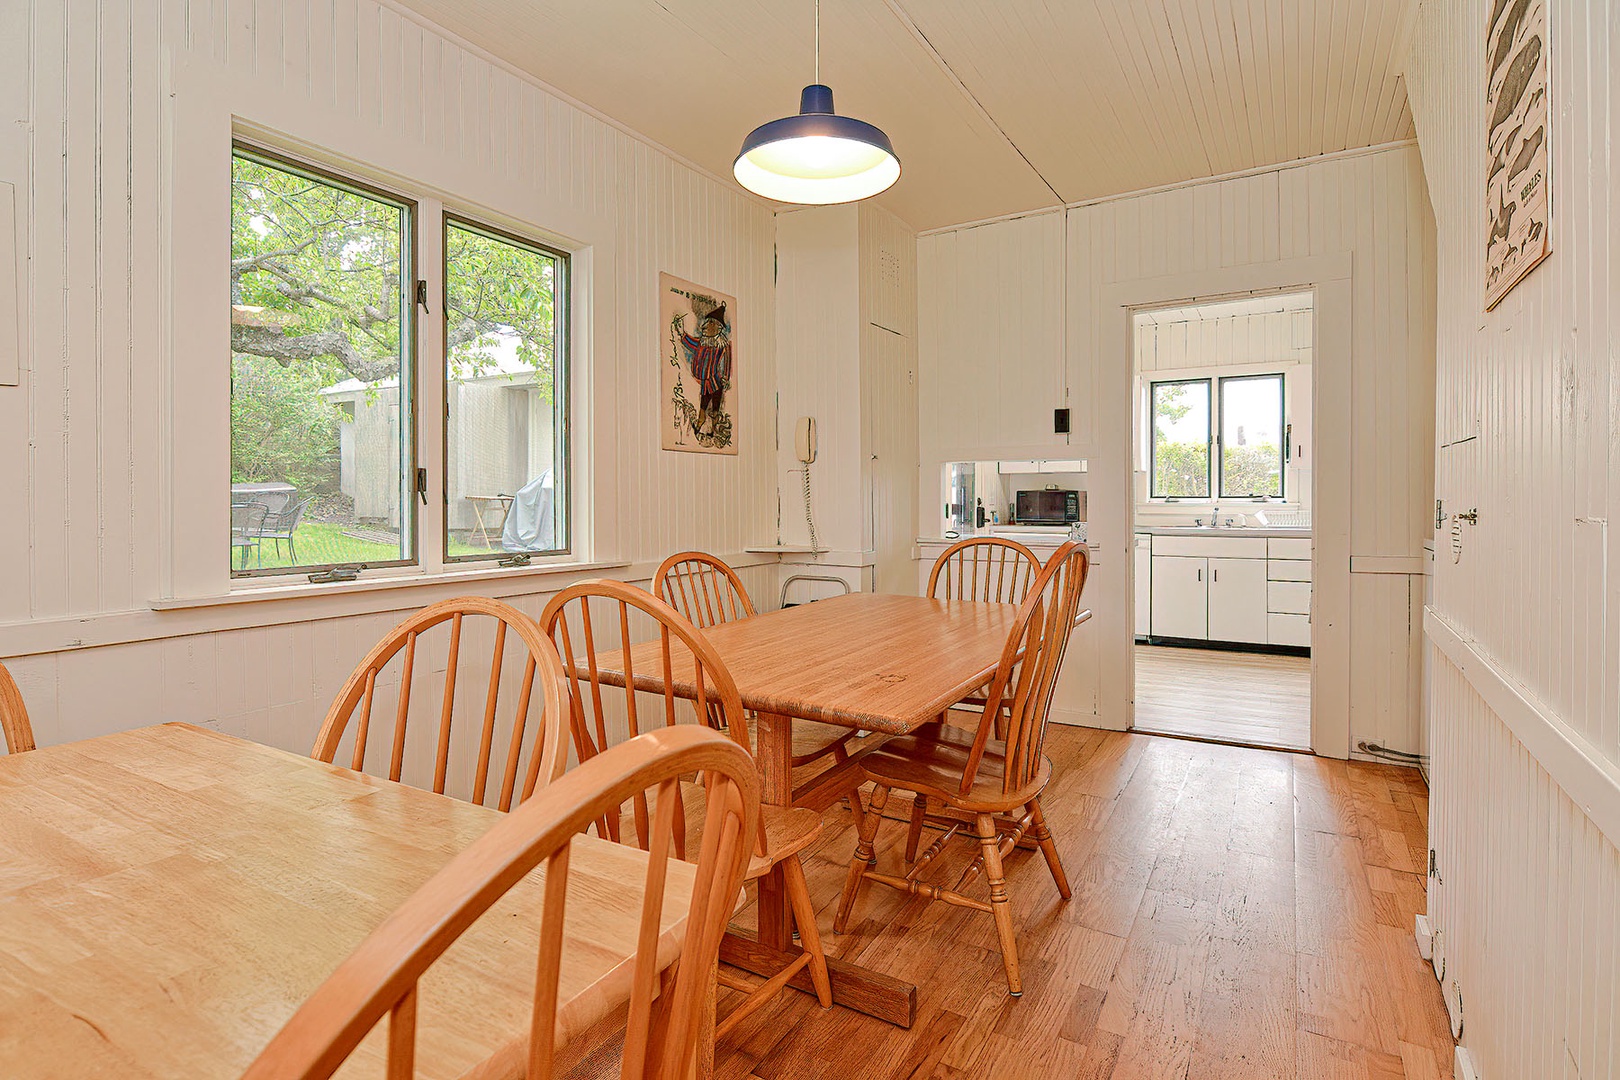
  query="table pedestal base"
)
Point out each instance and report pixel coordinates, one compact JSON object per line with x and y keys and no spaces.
{"x":853,"y":986}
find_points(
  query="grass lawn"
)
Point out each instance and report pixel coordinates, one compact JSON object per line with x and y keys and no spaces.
{"x":323,"y":543}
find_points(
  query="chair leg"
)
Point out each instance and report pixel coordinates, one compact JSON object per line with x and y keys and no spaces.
{"x":1000,"y":907}
{"x":1043,"y":836}
{"x":863,"y":856}
{"x":853,"y":796}
{"x":919,"y":808}
{"x":804,"y":913}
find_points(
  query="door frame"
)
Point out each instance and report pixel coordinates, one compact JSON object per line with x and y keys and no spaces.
{"x":1328,"y":277}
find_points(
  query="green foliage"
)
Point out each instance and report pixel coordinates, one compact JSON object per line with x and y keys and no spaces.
{"x":1251,"y":470}
{"x":281,"y":427}
{"x":1180,"y":468}
{"x":492,"y":287}
{"x":321,"y":265}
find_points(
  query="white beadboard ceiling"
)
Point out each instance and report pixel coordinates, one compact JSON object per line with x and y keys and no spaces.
{"x":994,"y":108}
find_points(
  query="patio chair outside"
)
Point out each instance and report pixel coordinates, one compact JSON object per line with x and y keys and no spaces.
{"x":280,"y":525}
{"x":247,"y":526}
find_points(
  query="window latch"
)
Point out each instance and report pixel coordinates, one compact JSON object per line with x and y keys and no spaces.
{"x":421,"y":485}
{"x":337,"y":573}
{"x":521,"y":558}
{"x":421,"y":296}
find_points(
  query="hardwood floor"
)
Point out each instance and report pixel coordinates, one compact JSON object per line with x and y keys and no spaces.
{"x":1251,"y":698}
{"x":1237,"y":913}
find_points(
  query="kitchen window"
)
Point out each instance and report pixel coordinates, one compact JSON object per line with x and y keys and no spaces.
{"x":330,"y":378}
{"x":1232,"y":429}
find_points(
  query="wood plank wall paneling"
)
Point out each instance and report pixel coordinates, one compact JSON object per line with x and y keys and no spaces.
{"x":1225,"y":340}
{"x":81,"y":439}
{"x":1528,"y":884}
{"x":1011,"y":320}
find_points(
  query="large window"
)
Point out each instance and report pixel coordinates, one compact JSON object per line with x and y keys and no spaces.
{"x":1223,"y":434}
{"x":506,"y":416}
{"x":329,"y":375}
{"x":321,"y":371}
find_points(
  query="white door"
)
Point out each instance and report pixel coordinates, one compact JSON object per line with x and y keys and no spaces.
{"x":1144,"y":585}
{"x":1237,"y":600}
{"x":1180,"y":597}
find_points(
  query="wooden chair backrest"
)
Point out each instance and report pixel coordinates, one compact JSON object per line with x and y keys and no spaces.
{"x":14,"y":715}
{"x":1020,"y":696}
{"x":984,"y":568}
{"x":601,"y":714}
{"x":380,"y":978}
{"x":702,"y":588}
{"x":542,"y":668}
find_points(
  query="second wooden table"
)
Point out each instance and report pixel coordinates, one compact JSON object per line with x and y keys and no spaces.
{"x":869,"y":661}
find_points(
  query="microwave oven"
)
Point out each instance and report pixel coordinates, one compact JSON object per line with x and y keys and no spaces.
{"x":1049,"y":507}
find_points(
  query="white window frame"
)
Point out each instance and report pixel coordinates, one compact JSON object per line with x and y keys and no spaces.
{"x":210,"y":108}
{"x":1288,"y":370}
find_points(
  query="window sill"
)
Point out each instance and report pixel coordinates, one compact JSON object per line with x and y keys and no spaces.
{"x":258,"y":594}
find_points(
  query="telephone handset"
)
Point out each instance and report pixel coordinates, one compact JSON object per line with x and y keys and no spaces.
{"x":804,"y":443}
{"x":804,"y":437}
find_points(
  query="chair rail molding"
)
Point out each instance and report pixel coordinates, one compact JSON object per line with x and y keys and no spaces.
{"x":1589,"y":778}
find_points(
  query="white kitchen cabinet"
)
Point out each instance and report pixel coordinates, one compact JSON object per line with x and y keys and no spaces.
{"x":1144,"y":584}
{"x":1289,"y":597}
{"x":1180,"y":597}
{"x":1237,"y":600}
{"x":1289,"y":630}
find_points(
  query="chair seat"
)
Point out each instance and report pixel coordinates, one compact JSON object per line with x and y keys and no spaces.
{"x":932,"y":759}
{"x":788,"y":831}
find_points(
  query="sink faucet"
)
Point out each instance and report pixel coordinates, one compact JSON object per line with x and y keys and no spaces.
{"x":1215,"y":516}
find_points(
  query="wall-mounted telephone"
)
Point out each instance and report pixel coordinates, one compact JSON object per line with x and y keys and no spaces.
{"x":804,"y":439}
{"x":804,"y":444}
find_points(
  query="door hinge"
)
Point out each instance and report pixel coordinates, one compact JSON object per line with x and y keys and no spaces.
{"x":421,"y":296}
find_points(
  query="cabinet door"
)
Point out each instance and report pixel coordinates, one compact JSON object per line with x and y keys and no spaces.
{"x":1144,"y":586}
{"x":1237,"y":600}
{"x":1180,"y":597}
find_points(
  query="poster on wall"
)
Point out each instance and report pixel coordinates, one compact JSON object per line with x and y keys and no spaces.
{"x":699,"y":373}
{"x":1518,"y":190}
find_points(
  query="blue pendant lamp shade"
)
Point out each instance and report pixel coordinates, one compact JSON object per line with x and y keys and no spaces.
{"x":817,"y":157}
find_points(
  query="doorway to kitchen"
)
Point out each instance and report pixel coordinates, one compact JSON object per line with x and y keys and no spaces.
{"x":1222,"y":504}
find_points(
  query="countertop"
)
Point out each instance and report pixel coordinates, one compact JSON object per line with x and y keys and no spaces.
{"x":1298,"y":532}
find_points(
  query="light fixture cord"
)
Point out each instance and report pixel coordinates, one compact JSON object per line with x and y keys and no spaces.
{"x":818,"y":42}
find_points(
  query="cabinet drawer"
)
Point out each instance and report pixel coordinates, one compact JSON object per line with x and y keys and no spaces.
{"x":1214,"y":547}
{"x":1288,"y":597}
{"x":1288,"y":570}
{"x":1289,"y":547}
{"x":1289,"y":629}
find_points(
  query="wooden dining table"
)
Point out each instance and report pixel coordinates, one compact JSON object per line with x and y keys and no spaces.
{"x":170,"y":895}
{"x":870,"y":661}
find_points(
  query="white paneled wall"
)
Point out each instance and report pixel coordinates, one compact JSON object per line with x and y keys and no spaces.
{"x":1015,"y":319}
{"x":1225,"y":340}
{"x":87,"y":439}
{"x":1526,"y":734}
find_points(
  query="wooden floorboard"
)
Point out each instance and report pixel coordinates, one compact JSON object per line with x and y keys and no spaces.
{"x":1256,"y":699}
{"x":1237,"y":913}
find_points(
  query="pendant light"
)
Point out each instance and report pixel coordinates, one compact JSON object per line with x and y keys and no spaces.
{"x":816,"y":157}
